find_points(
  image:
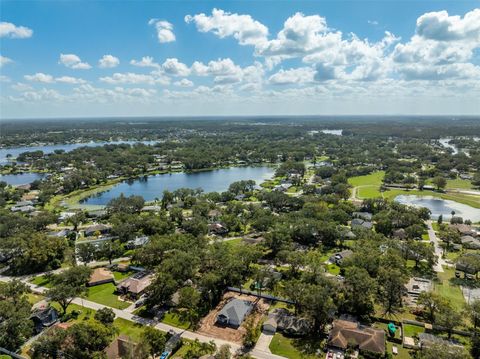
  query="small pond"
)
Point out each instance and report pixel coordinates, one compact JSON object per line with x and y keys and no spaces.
{"x":440,"y":206}
{"x":21,"y":178}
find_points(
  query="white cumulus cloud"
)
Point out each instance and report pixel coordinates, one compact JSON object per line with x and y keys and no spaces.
{"x":4,"y":60}
{"x":164,"y":30}
{"x":73,"y":61}
{"x":108,"y":61}
{"x":7,"y":29}
{"x":223,"y":24}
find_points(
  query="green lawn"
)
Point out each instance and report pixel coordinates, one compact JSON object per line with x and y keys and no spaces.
{"x":459,"y":183}
{"x":290,"y":347}
{"x":374,"y":178}
{"x":174,"y":320}
{"x":403,"y":353}
{"x":332,"y":269}
{"x":34,"y":298}
{"x":131,"y":329}
{"x":412,"y":330}
{"x":104,"y":294}
{"x":448,"y":290}
{"x":369,"y":192}
{"x":41,"y":281}
{"x":122,"y":275}
{"x":234,"y":242}
{"x":368,"y":185}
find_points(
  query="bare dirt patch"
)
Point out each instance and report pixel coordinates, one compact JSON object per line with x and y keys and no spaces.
{"x":208,"y":327}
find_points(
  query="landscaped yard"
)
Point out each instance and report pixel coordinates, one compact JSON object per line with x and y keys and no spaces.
{"x":104,"y":294}
{"x":412,"y":330}
{"x":291,"y":347}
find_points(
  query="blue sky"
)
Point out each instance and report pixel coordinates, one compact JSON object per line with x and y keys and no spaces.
{"x":238,"y":58}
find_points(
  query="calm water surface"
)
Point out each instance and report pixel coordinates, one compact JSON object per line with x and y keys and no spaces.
{"x":15,"y":151}
{"x":152,"y":187}
{"x":440,"y":206}
{"x":21,"y":178}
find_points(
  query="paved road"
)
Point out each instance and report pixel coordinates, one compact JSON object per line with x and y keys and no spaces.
{"x":438,"y":250}
{"x":260,"y":352}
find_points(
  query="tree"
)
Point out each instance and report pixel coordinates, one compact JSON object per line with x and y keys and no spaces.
{"x":360,"y":291}
{"x":83,"y":340}
{"x":105,"y":316}
{"x":440,"y":219}
{"x":69,"y":284}
{"x":252,"y":332}
{"x":432,"y":304}
{"x":122,"y":204}
{"x":448,"y":318}
{"x":189,"y":300}
{"x":77,"y":219}
{"x":443,"y":351}
{"x":86,"y":252}
{"x":154,"y":340}
{"x":15,"y":326}
{"x":196,"y":349}
{"x":472,"y":310}
{"x":449,"y":235}
{"x":420,"y":251}
{"x":160,"y":291}
{"x":223,"y":352}
{"x":439,"y":182}
{"x":391,"y":287}
{"x":110,"y":249}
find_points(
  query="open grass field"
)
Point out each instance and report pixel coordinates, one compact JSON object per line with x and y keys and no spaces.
{"x":412,"y":330}
{"x":104,"y":294}
{"x":372,"y":179}
{"x":367,"y":186}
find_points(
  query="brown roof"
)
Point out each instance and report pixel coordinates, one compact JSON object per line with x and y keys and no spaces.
{"x":366,"y":338}
{"x":100,"y":275}
{"x":135,"y":285}
{"x":120,"y":347}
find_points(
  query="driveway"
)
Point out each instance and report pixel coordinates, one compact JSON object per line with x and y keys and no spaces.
{"x":438,"y":250}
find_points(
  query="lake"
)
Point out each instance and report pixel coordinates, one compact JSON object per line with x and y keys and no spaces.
{"x":15,"y":151}
{"x":152,"y":187}
{"x":21,"y":178}
{"x":440,"y":206}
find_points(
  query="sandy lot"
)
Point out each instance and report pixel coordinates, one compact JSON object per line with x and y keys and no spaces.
{"x":207,"y":325}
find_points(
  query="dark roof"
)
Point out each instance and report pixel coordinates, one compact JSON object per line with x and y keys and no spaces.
{"x":345,"y":332}
{"x":236,"y":310}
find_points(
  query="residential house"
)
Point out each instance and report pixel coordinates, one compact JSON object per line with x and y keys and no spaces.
{"x":338,"y":258}
{"x":468,"y":265}
{"x":470,"y":242}
{"x":282,"y":320}
{"x":464,"y":229}
{"x":121,"y":347}
{"x":346,"y":333}
{"x":137,"y":242}
{"x":360,"y":223}
{"x":366,"y":216}
{"x":43,"y":316}
{"x":135,"y":285}
{"x":100,"y":276}
{"x":217,"y":228}
{"x":234,"y":312}
{"x":97,"y":228}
